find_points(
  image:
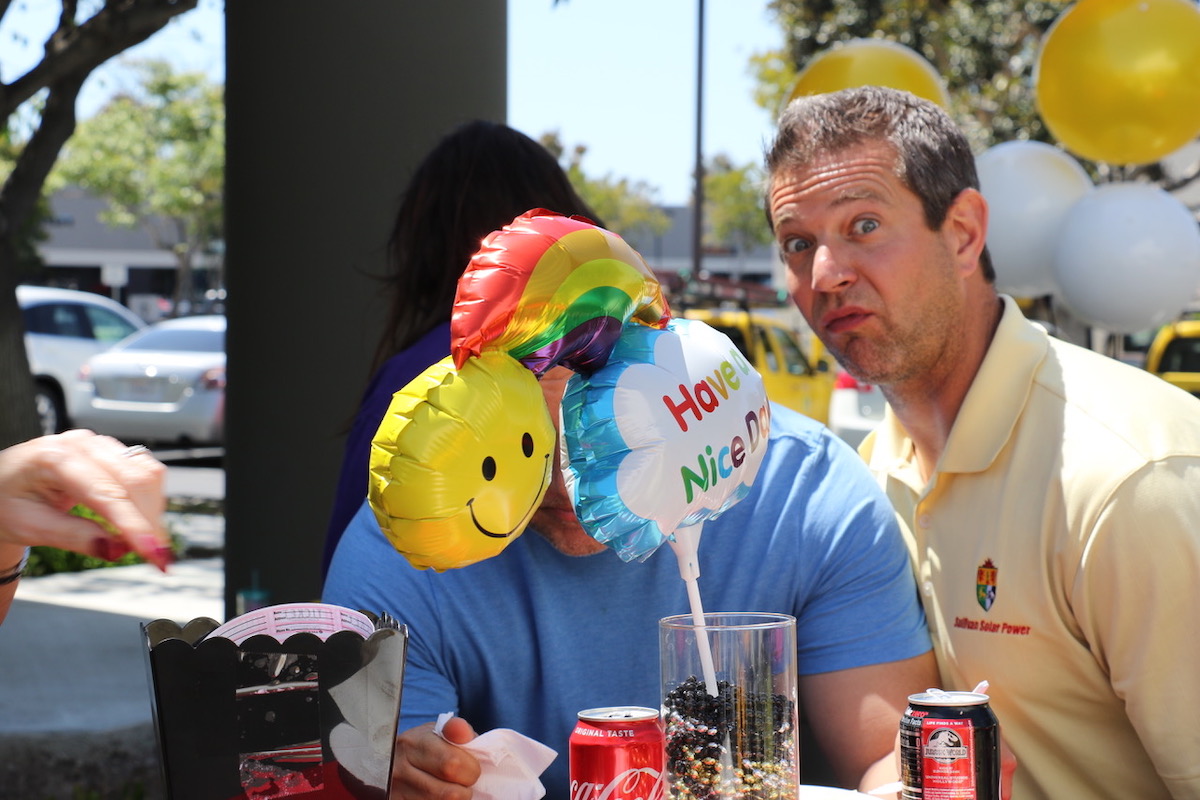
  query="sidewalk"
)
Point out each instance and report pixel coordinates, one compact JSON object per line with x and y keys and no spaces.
{"x":75,"y":699}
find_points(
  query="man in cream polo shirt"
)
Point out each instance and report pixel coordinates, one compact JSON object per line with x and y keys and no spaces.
{"x":1050,"y":496}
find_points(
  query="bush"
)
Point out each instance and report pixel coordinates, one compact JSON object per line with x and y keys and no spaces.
{"x":52,"y":560}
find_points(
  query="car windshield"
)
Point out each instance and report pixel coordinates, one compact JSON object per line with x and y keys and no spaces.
{"x":178,"y":339}
{"x":797,"y":364}
{"x":1181,"y":355}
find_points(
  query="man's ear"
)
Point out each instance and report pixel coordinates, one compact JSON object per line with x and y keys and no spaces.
{"x":966,"y":228}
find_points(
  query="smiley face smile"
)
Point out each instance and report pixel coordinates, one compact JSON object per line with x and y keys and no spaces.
{"x":524,"y":518}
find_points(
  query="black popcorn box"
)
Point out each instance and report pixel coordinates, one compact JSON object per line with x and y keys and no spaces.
{"x":265,"y":719}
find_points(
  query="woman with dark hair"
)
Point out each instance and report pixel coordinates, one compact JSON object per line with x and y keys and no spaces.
{"x":476,"y":180}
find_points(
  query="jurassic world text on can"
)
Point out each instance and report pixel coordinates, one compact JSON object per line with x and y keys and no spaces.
{"x":949,"y":747}
{"x":617,"y":753}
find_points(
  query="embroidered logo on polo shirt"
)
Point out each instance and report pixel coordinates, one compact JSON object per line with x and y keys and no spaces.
{"x":985,"y":584}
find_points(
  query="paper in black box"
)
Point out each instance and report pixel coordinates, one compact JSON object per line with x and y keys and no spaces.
{"x":293,"y":700}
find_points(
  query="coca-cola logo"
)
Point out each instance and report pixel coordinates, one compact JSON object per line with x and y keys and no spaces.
{"x":644,"y":783}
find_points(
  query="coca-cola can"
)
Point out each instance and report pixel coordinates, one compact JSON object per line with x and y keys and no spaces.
{"x":618,"y":753}
{"x":949,"y":747}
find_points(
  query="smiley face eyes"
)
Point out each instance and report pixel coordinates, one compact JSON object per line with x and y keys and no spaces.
{"x":489,"y":463}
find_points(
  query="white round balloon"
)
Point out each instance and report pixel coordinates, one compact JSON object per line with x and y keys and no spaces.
{"x":1029,"y":188}
{"x":1128,"y":258}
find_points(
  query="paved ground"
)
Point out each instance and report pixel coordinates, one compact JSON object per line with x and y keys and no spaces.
{"x":75,"y":699}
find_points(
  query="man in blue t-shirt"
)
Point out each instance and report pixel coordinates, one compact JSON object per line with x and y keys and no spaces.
{"x":557,"y":623}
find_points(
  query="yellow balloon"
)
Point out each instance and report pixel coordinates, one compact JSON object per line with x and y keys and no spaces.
{"x":1119,"y":80}
{"x":871,"y":62}
{"x":461,"y":461}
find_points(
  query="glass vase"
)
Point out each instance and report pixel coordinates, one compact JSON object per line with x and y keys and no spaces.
{"x":729,"y":706}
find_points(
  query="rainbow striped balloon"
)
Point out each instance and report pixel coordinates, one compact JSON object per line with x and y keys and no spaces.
{"x":552,"y":290}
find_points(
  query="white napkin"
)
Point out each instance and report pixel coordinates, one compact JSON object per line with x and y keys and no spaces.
{"x":509,"y":763}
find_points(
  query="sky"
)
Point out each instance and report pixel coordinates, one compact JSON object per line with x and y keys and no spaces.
{"x":632,"y":64}
{"x":193,"y":41}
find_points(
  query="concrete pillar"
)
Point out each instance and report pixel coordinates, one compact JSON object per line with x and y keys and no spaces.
{"x":330,"y":106}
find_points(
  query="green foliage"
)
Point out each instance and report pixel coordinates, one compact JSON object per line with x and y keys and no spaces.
{"x":733,"y":204}
{"x":157,"y":156}
{"x":626,"y":207}
{"x":776,"y":74}
{"x":985,"y":52}
{"x":51,"y":560}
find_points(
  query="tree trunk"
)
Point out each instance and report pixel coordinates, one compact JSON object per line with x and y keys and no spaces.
{"x":72,"y":52}
{"x":183,"y":280}
{"x":18,"y":198}
{"x":18,"y":417}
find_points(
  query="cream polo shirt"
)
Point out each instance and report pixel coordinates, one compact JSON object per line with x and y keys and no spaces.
{"x":1057,"y":552}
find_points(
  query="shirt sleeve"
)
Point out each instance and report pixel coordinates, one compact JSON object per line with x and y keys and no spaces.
{"x":367,"y":573}
{"x":1131,"y":599}
{"x":862,"y":607}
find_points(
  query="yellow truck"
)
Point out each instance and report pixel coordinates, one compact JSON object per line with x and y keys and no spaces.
{"x":1174,"y":355}
{"x":799,"y":379}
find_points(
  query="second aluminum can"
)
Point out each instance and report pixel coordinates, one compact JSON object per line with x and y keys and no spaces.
{"x":949,"y":747}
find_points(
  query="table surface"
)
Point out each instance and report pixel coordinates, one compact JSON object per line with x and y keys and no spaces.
{"x":829,"y":793}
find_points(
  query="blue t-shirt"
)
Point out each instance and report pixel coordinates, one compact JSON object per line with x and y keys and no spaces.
{"x":527,"y":639}
{"x":394,"y":375}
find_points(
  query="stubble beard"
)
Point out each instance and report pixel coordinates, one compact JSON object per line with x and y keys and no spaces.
{"x":918,"y":352}
{"x":875,"y":359}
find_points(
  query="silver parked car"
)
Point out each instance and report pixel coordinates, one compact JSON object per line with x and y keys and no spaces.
{"x":63,"y":329}
{"x":164,"y":384}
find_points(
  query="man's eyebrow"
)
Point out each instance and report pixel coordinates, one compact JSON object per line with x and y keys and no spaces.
{"x":854,"y":195}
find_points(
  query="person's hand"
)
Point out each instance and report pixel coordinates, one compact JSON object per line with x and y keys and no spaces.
{"x":1008,"y":768}
{"x":43,"y":478}
{"x":427,"y":766}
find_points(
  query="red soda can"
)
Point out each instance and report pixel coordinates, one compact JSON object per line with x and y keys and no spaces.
{"x":949,"y":747}
{"x":618,"y":753}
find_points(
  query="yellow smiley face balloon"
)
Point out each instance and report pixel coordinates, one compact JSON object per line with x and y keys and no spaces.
{"x":461,"y":461}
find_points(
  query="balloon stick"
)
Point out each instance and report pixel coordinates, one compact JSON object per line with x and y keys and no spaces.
{"x":685,"y":542}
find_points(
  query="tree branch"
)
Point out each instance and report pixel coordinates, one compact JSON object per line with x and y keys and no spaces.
{"x":77,"y":50}
{"x":1186,"y":177}
{"x":20,"y":192}
{"x":66,"y":19}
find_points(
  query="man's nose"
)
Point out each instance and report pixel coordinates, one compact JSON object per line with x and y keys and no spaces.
{"x":830,"y":271}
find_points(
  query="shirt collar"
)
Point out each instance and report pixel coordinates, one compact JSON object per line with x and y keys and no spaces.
{"x":990,"y":409}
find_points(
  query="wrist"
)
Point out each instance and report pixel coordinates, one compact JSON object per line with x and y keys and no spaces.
{"x":10,"y":572}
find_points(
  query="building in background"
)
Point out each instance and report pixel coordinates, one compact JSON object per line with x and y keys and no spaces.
{"x":82,"y":252}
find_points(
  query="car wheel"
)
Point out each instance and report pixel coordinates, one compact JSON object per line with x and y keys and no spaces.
{"x":51,"y":411}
